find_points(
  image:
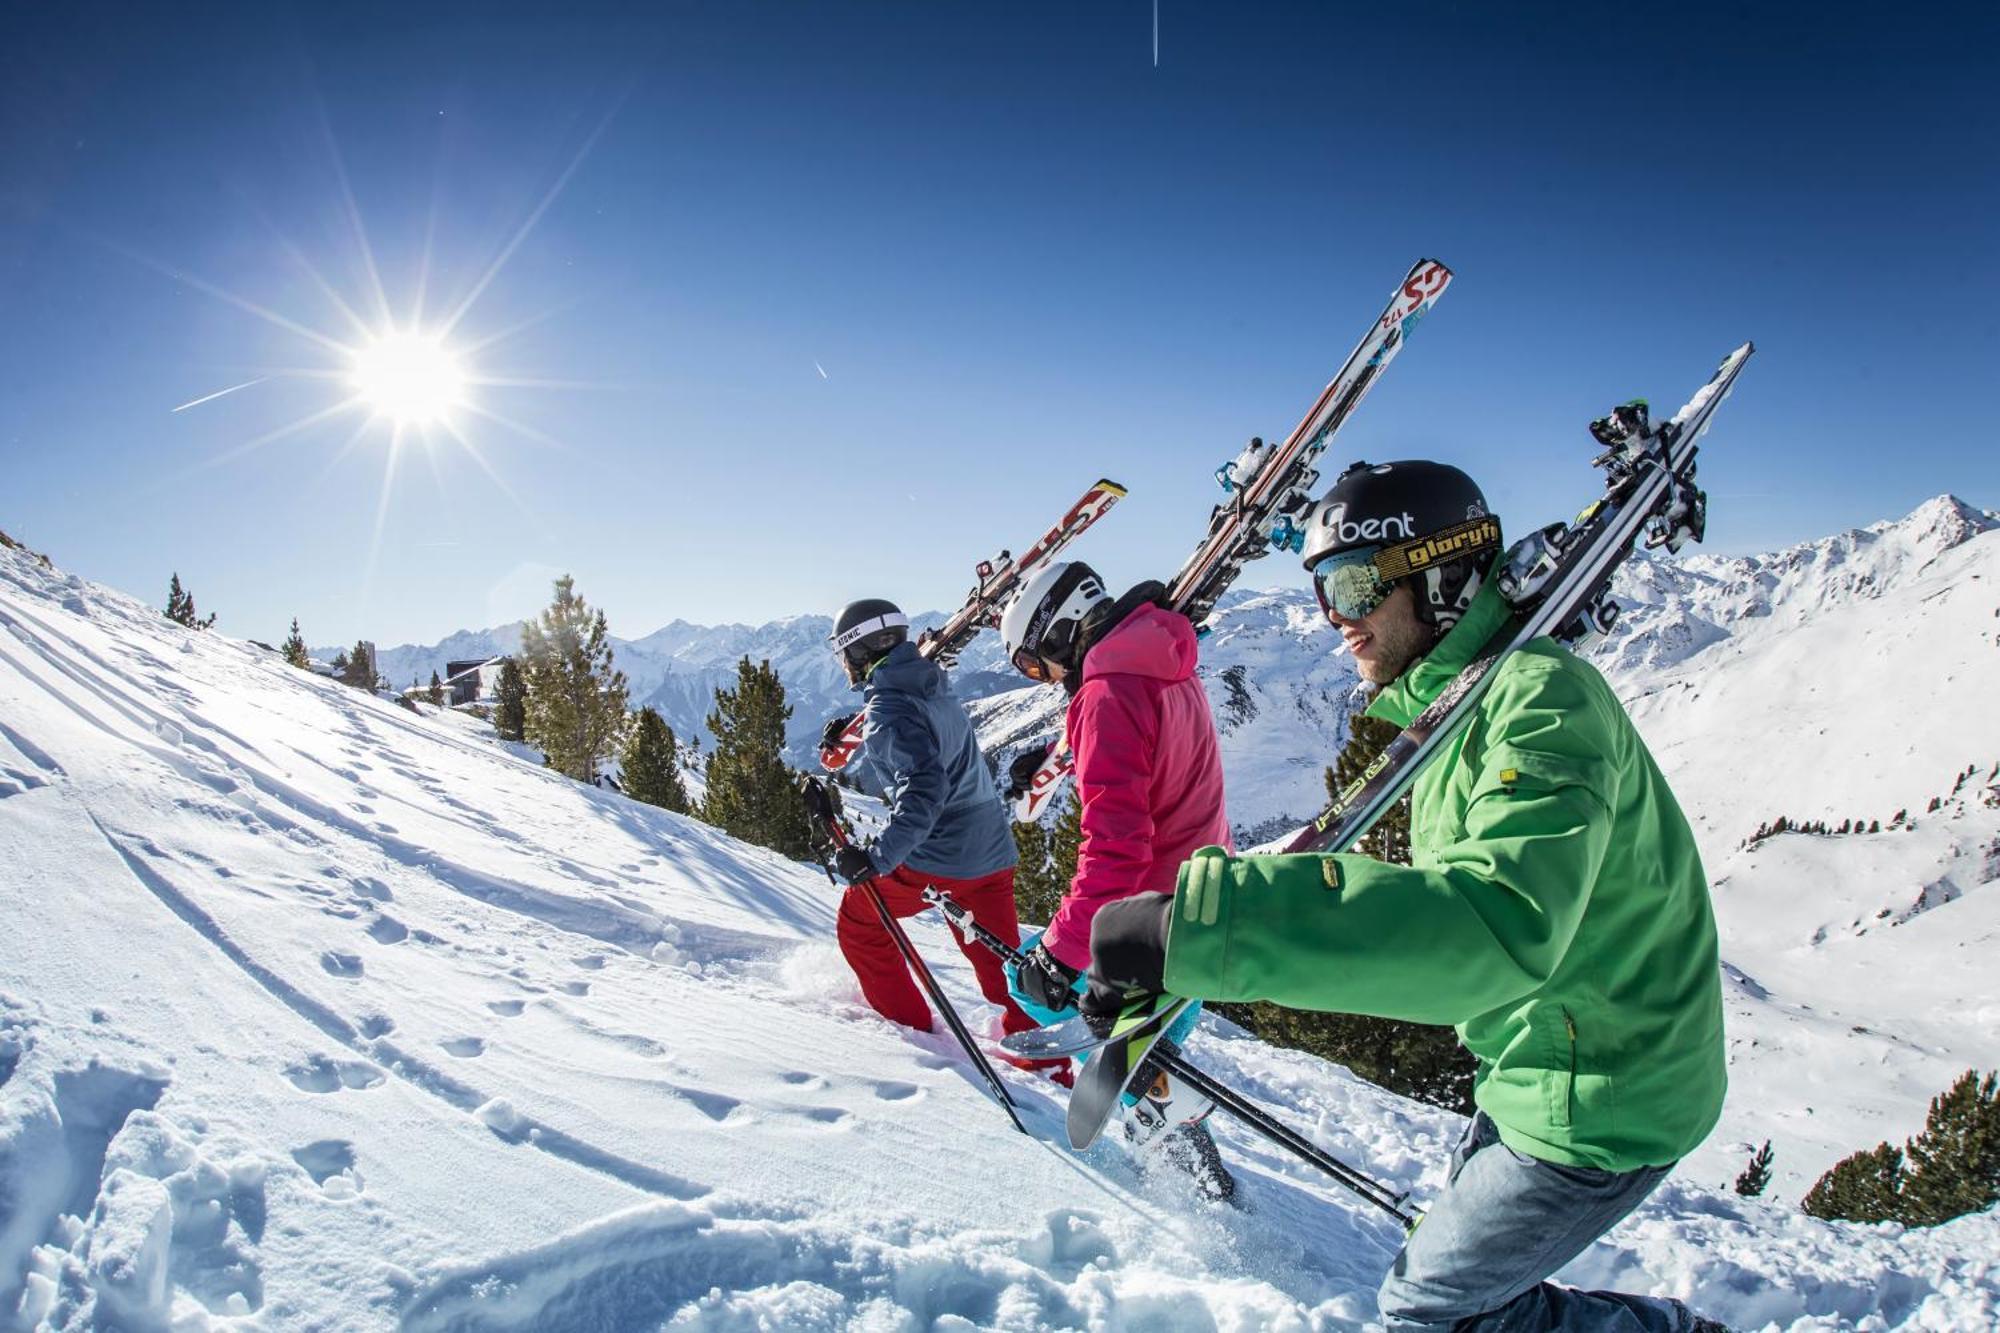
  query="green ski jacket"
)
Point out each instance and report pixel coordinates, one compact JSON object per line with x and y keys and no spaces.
{"x":1555,"y":913}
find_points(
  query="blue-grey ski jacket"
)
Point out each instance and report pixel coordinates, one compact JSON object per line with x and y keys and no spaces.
{"x":945,"y":816}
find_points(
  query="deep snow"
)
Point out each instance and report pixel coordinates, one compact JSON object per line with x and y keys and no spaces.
{"x":318,"y":1014}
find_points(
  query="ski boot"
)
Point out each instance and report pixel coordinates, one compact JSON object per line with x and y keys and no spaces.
{"x":1163,"y":1122}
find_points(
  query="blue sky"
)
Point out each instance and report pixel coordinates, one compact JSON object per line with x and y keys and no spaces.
{"x":1022,"y":254}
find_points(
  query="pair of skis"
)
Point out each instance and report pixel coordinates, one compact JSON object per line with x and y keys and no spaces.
{"x":1090,"y":1111}
{"x":1556,"y":581}
{"x":997,"y":580}
{"x":1269,"y":489}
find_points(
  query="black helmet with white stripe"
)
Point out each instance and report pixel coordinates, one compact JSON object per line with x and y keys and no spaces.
{"x":865,"y":630}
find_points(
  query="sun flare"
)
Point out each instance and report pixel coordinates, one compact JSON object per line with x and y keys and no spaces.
{"x":409,"y":377}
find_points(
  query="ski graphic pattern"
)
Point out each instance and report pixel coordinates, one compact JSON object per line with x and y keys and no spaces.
{"x":1265,"y":508}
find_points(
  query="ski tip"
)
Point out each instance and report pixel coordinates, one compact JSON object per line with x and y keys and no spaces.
{"x":1106,"y":484}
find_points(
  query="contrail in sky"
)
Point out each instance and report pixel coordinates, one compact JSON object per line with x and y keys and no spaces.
{"x":1156,"y":34}
{"x":822,"y":370}
{"x":219,"y":392}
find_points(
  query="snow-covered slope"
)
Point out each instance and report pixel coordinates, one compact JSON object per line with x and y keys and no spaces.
{"x":1849,"y":679}
{"x":316,"y":1014}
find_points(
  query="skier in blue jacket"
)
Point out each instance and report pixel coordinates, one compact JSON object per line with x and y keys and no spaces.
{"x":947,"y":827}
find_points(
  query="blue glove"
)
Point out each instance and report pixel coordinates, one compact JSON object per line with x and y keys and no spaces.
{"x":1041,"y":984}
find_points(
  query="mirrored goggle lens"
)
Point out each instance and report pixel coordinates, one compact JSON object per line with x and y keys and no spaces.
{"x":1348,"y":584}
{"x":1030,"y":665}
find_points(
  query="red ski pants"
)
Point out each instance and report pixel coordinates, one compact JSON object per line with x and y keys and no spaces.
{"x":885,"y":978}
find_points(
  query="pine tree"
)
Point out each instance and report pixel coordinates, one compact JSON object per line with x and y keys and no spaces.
{"x":435,"y":694}
{"x":1954,"y":1165}
{"x":1034,"y":895}
{"x":649,"y":766}
{"x":360,"y":668}
{"x":295,"y":648}
{"x":510,"y":702}
{"x":576,"y":698}
{"x":1754,"y":1177}
{"x":1367,"y":737}
{"x":340,"y":665}
{"x":751,"y":791}
{"x":1048,"y":862}
{"x":180,"y":607}
{"x":1866,"y":1187}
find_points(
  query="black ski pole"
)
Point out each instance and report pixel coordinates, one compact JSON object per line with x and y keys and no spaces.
{"x":1225,"y":1097}
{"x":820,"y":806}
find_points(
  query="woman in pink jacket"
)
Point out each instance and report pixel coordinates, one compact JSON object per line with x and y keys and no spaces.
{"x":1149,"y":776}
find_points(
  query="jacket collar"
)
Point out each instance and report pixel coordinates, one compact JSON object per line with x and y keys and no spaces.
{"x":1425,"y":679}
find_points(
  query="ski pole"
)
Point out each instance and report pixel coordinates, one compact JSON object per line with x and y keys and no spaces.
{"x":1227,"y":1098}
{"x":820,"y":806}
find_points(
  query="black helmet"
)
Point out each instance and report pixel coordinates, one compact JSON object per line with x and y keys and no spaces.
{"x":866,"y":629}
{"x":1385,"y":522}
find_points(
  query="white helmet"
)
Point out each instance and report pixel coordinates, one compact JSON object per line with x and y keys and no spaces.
{"x":1042,"y":620}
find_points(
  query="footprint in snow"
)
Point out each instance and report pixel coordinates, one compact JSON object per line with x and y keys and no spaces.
{"x":322,"y":1074}
{"x":387,"y":930}
{"x":323,"y":1159}
{"x":894,"y":1091}
{"x":798,"y":1078}
{"x":465,"y":1048}
{"x":590,"y":962}
{"x":341,"y":964}
{"x":507,"y":1008}
{"x":576,"y":987}
{"x":377,"y":1025}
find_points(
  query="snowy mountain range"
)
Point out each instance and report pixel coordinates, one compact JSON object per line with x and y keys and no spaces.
{"x":315,"y":1013}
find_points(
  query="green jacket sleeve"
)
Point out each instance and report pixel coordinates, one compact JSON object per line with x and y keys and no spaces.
{"x":1484,"y":922}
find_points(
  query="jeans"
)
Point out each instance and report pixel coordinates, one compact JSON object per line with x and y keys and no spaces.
{"x":1504,"y":1223}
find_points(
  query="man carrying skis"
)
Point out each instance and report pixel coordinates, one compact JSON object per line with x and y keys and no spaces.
{"x":1149,"y":776}
{"x":1555,"y":911}
{"x":946,"y":825}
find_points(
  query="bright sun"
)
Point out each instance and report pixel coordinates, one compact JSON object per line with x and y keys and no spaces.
{"x":409,"y":377}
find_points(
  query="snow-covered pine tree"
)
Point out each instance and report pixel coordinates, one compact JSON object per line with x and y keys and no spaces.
{"x":649,"y":766}
{"x":510,"y":702}
{"x":435,"y":694}
{"x":295,"y":648}
{"x":751,"y":791}
{"x":576,"y":697}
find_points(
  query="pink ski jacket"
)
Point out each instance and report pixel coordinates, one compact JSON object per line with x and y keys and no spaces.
{"x":1148,"y":769}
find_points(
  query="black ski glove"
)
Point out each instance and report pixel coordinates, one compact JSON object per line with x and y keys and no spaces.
{"x":829,"y":735}
{"x":851,"y":863}
{"x":1021,"y":773}
{"x":1047,"y":979}
{"x":1128,"y":956}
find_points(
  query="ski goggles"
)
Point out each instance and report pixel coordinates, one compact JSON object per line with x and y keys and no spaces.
{"x":1031,"y":665}
{"x":1056,"y":641}
{"x":1349,"y":585}
{"x":855,"y":633}
{"x":1354,"y":582}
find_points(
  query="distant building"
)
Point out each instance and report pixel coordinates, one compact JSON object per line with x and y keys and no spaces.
{"x":469,"y":682}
